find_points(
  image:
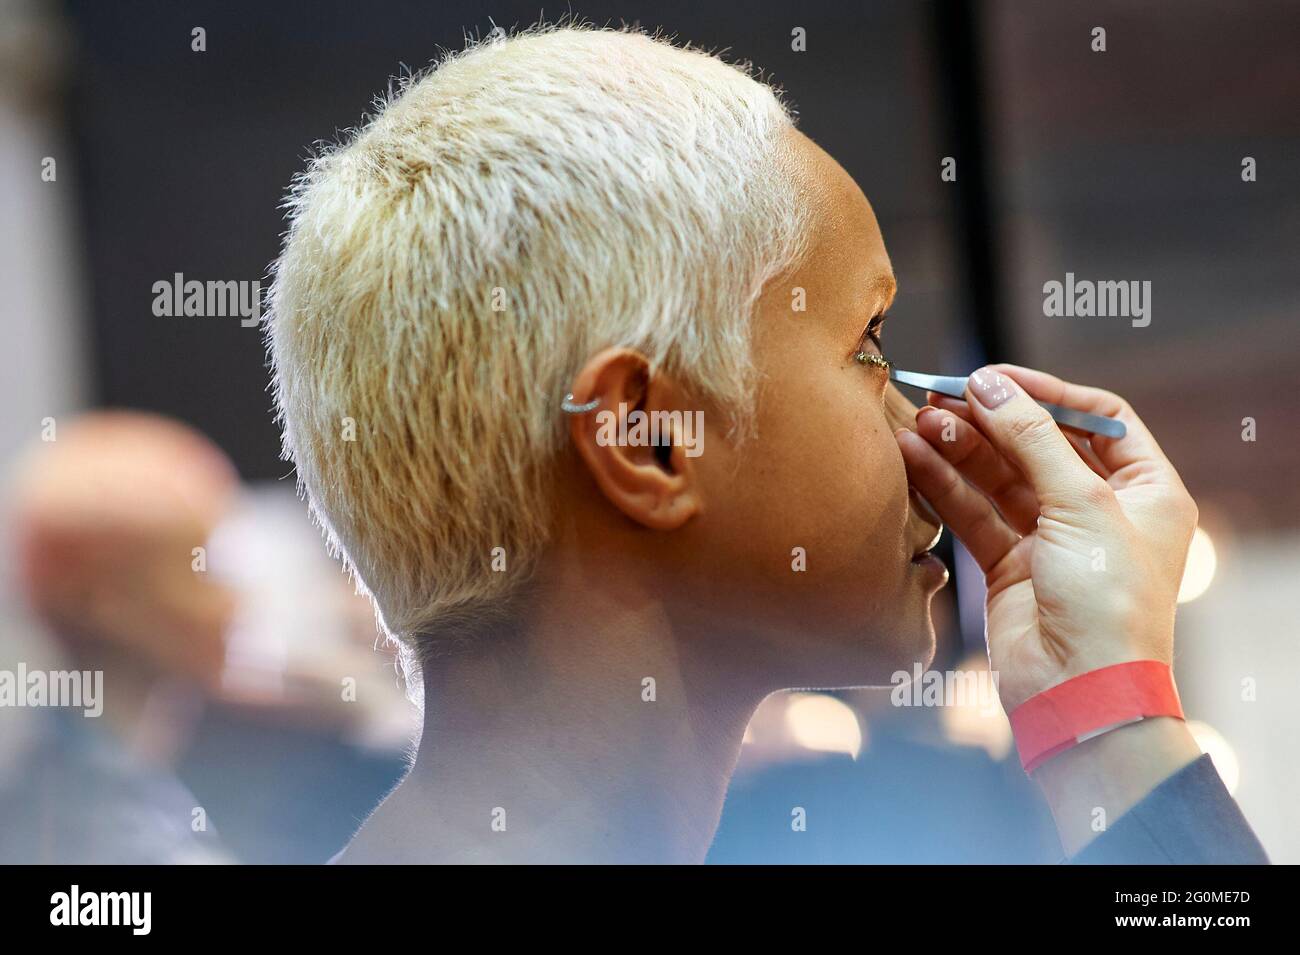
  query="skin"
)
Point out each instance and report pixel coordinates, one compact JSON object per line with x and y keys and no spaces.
{"x":682,"y":572}
{"x":1036,"y":507}
{"x":104,"y":521}
{"x":679,"y":569}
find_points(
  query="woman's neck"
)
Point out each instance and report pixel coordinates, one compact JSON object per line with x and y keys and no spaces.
{"x":605,"y":739}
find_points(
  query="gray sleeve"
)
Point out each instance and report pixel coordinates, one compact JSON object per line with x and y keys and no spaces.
{"x":1189,"y":819}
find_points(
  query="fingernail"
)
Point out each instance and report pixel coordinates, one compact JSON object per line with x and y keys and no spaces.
{"x":990,"y":388}
{"x":922,"y":412}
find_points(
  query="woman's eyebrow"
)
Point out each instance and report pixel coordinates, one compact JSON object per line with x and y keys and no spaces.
{"x":886,"y":287}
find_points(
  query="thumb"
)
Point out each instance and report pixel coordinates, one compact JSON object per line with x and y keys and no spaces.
{"x":1022,"y":430}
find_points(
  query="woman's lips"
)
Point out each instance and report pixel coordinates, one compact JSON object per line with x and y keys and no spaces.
{"x":935,"y":571}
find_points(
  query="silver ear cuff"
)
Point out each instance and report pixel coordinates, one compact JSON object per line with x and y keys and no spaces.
{"x":568,"y":406}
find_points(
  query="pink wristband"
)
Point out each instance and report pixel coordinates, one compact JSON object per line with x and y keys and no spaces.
{"x":1091,"y":704}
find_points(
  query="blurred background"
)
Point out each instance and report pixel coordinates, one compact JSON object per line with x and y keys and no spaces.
{"x":141,"y":140}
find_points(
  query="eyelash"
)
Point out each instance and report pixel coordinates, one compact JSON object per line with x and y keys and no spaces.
{"x":873,"y":330}
{"x":872,"y":334}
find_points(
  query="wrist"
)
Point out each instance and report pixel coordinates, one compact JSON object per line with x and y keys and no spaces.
{"x":1091,"y":785}
{"x":1090,"y":704}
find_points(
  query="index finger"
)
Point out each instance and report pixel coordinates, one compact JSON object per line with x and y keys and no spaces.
{"x":1137,"y":448}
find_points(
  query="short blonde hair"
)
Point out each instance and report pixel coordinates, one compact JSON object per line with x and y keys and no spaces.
{"x":450,"y":267}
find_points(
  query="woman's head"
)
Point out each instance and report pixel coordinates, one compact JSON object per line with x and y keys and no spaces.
{"x":821,"y":485}
{"x":577,"y":210}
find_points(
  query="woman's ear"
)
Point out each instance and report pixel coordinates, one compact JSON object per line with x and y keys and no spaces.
{"x":640,"y":440}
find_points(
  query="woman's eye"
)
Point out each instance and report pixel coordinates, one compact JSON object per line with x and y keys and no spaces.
{"x":873,"y":331}
{"x":872,"y":334}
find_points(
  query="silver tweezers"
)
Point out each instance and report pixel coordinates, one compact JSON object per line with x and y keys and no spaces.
{"x":955,"y":387}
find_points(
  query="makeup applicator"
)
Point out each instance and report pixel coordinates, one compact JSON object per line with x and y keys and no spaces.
{"x":955,"y":387}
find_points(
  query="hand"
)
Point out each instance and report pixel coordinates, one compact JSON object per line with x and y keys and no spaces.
{"x":1082,"y":543}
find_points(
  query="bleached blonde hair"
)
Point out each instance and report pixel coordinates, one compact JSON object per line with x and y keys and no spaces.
{"x":451,"y":266}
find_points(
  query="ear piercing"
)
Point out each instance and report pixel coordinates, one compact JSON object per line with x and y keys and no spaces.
{"x":569,"y":407}
{"x":879,"y":361}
